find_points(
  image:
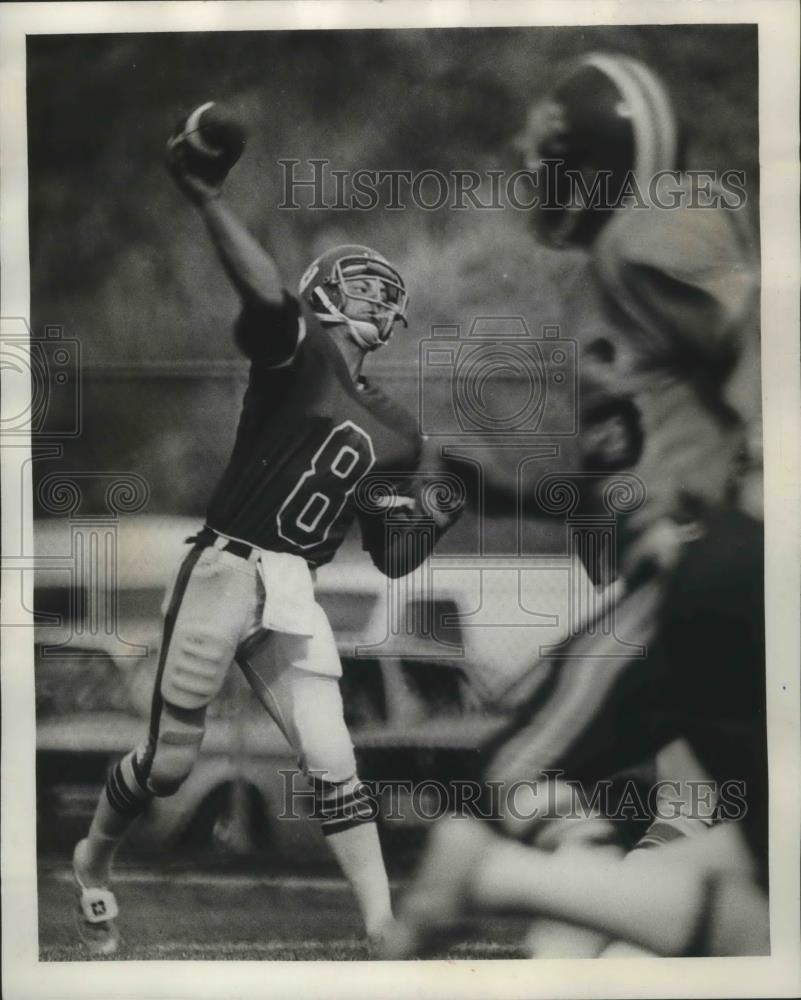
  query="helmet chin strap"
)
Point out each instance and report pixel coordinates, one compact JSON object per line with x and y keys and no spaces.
{"x":365,"y":334}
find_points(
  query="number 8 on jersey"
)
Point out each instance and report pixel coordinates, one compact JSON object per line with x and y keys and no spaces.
{"x":307,"y":514}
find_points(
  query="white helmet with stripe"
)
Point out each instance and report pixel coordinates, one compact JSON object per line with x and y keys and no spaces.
{"x":607,"y":119}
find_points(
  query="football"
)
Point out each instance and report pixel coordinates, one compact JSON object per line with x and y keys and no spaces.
{"x":214,"y":139}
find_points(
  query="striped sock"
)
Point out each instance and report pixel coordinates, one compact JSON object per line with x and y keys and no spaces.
{"x":342,"y":805}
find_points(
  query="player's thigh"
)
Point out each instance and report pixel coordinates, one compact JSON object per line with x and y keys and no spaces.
{"x":211,"y":608}
{"x":297,"y":680}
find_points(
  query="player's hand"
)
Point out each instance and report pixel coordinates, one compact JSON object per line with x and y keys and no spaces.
{"x":202,"y":150}
{"x":195,"y":188}
{"x":445,"y":501}
{"x":443,"y":519}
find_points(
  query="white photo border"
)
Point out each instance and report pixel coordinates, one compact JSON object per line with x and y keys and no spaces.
{"x":778,"y":975}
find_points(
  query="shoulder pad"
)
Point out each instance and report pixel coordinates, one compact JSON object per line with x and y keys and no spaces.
{"x":392,"y":414}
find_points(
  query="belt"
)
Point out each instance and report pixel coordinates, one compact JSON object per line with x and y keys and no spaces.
{"x":208,"y":537}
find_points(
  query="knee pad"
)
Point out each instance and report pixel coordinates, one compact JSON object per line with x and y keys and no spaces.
{"x":176,"y":749}
{"x":332,"y":762}
{"x":197,"y":661}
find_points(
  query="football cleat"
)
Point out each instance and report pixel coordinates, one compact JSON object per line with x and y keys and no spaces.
{"x":96,"y":911}
{"x":376,"y":943}
{"x":327,"y":285}
{"x":433,"y":911}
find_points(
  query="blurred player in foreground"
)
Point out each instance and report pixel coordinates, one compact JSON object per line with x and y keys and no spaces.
{"x":663,"y":310}
{"x":311,"y":429}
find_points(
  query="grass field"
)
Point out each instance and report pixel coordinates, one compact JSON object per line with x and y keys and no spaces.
{"x":236,"y":917}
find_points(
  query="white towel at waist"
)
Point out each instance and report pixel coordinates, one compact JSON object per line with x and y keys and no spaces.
{"x":289,"y":603}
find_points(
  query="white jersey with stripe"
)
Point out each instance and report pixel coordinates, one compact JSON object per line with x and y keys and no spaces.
{"x":675,"y":293}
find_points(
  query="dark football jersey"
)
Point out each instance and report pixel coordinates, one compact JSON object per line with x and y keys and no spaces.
{"x":691,"y":664}
{"x":307,"y":435}
{"x":711,"y":647}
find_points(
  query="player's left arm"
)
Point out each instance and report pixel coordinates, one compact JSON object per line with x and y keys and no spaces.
{"x":400,"y":537}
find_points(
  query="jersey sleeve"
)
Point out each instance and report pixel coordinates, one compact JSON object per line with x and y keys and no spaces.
{"x":685,"y":279}
{"x":270,"y":334}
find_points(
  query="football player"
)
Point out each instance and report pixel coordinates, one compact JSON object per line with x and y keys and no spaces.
{"x":310,"y":430}
{"x":664,"y":310}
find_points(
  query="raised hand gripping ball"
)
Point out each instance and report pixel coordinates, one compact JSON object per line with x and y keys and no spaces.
{"x":212,"y":140}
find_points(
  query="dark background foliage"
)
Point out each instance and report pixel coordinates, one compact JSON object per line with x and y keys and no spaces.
{"x":120,"y":262}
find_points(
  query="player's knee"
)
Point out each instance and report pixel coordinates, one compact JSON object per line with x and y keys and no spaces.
{"x":328,"y":762}
{"x":170,"y":771}
{"x":323,"y":740}
{"x":176,"y":750}
{"x":331,"y":761}
{"x":197,"y":662}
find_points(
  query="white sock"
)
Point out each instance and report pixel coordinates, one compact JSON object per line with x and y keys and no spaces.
{"x":104,"y":837}
{"x":92,"y":859}
{"x":358,"y":852}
